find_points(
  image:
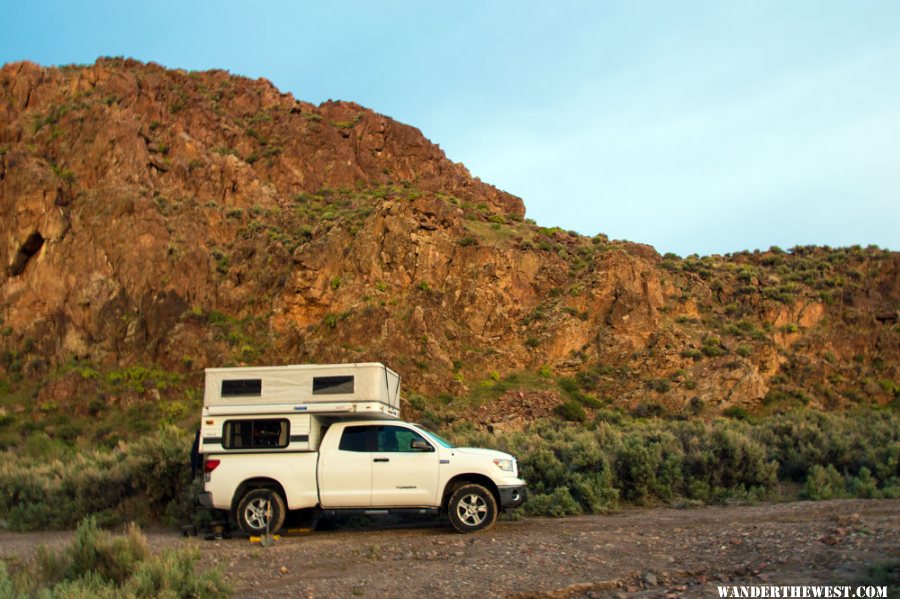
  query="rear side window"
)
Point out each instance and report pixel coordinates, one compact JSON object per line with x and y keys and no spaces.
{"x":256,"y":434}
{"x":332,"y":385}
{"x":358,"y":438}
{"x":242,"y":388}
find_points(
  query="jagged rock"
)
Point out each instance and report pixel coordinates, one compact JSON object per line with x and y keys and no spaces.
{"x":154,"y":216}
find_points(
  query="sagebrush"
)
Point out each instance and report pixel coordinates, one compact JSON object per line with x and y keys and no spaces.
{"x":573,"y":469}
{"x":99,"y":564}
{"x":570,"y":467}
{"x":145,"y":481}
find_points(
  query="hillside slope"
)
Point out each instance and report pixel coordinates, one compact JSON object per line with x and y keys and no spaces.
{"x":156,"y":222}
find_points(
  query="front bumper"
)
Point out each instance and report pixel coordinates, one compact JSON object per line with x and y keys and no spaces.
{"x":511,"y":497}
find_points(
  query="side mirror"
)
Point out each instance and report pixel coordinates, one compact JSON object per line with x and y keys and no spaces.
{"x":420,"y":445}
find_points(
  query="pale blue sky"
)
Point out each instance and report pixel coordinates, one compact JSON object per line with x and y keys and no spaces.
{"x":700,"y":127}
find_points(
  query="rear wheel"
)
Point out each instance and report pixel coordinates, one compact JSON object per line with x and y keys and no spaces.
{"x":472,"y":507}
{"x":261,"y":511}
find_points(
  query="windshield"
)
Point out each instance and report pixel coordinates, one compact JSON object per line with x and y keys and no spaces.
{"x":441,"y":441}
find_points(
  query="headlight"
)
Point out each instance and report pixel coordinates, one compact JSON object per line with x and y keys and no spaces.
{"x":505,"y":465}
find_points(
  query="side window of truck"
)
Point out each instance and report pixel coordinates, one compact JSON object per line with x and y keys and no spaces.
{"x":256,"y":434}
{"x":392,"y":439}
{"x":357,"y":438}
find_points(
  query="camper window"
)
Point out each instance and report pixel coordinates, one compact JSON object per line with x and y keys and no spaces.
{"x":332,"y":385}
{"x":242,"y":388}
{"x":256,"y":434}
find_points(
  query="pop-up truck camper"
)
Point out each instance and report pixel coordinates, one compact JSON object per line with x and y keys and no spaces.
{"x":329,"y":437}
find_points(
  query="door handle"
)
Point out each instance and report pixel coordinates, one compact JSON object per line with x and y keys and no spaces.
{"x":382,"y":459}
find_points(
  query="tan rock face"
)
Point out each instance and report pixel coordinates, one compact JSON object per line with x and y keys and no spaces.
{"x":200,"y":219}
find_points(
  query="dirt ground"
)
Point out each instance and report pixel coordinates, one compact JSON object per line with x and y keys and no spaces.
{"x":659,"y":552}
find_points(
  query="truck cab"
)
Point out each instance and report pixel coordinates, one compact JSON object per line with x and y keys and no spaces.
{"x":408,"y":466}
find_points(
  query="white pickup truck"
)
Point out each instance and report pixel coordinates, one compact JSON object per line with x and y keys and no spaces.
{"x":339,"y":450}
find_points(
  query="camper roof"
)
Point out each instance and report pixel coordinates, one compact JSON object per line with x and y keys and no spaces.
{"x":305,"y":387}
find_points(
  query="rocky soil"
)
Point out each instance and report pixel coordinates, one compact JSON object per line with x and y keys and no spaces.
{"x":660,"y":552}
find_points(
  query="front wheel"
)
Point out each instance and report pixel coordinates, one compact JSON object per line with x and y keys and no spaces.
{"x":472,"y":507}
{"x":261,"y":511}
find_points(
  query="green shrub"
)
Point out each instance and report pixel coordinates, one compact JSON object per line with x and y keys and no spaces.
{"x":725,"y":460}
{"x":693,"y":354}
{"x":588,"y":401}
{"x":736,"y":412}
{"x":39,"y":445}
{"x":824,"y":483}
{"x":637,"y":461}
{"x":571,"y":466}
{"x":616,"y":417}
{"x":712,"y":347}
{"x":648,"y":461}
{"x":648,"y":409}
{"x":97,"y":564}
{"x":173,"y":574}
{"x":139,"y":378}
{"x":890,"y":387}
{"x":646,"y":468}
{"x":587,"y":380}
{"x":799,"y":441}
{"x":864,"y":486}
{"x":659,"y":385}
{"x":571,"y":410}
{"x":569,"y":385}
{"x":111,"y":559}
{"x":137,"y":481}
{"x":558,"y":503}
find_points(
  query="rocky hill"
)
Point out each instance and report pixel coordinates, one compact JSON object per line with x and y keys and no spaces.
{"x":156,"y":222}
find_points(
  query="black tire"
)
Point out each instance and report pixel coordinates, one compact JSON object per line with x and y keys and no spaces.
{"x":472,"y":507}
{"x":259,"y":507}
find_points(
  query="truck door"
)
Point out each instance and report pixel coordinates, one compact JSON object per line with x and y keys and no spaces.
{"x":404,"y":468}
{"x":345,"y":468}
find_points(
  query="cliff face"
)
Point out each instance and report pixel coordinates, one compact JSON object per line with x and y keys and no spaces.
{"x":181,"y":220}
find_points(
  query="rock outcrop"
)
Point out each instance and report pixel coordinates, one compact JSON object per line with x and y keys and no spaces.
{"x":177,"y":220}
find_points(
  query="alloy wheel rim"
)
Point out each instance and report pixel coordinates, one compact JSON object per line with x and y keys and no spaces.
{"x":472,"y":509}
{"x":258,"y":513}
